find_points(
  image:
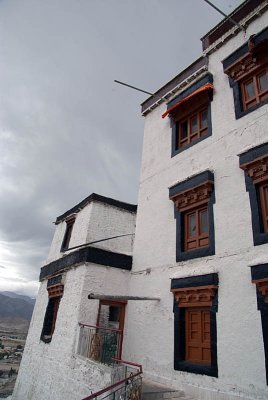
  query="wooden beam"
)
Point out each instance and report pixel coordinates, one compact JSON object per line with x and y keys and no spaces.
{"x":93,"y":296}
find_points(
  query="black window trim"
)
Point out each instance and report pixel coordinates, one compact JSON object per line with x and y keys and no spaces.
{"x":259,"y":237}
{"x":261,"y":272}
{"x":182,"y":255}
{"x":208,"y":78}
{"x":179,"y":327}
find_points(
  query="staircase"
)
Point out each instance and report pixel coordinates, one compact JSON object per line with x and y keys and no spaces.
{"x":155,"y":391}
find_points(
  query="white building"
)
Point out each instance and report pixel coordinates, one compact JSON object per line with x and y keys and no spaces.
{"x":201,"y":243}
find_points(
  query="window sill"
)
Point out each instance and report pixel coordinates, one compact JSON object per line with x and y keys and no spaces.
{"x":196,"y":368}
{"x":174,"y":152}
{"x":188,"y":255}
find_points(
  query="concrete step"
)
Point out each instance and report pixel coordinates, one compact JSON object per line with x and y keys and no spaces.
{"x":155,"y":391}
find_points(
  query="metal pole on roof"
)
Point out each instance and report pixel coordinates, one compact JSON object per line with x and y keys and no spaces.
{"x":225,"y":15}
{"x":93,"y":296}
{"x":133,"y":87}
{"x":98,"y":241}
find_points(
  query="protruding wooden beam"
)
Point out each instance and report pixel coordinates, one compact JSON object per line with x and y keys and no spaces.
{"x":93,"y":296}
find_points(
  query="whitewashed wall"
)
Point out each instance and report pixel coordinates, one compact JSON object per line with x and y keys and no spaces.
{"x":97,"y":221}
{"x":54,"y":370}
{"x":149,"y":333}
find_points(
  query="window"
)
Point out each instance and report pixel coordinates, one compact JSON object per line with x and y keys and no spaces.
{"x":68,"y":234}
{"x":255,"y":89}
{"x":197,"y":337}
{"x":195,"y":334}
{"x":55,"y":294}
{"x":255,"y":165}
{"x":263,"y":195}
{"x":190,"y":114}
{"x":247,"y":69}
{"x":192,"y":128}
{"x":193,"y":202}
{"x":196,"y":229}
{"x":259,"y":274}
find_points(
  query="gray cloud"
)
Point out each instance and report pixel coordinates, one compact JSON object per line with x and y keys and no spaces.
{"x":66,"y":129}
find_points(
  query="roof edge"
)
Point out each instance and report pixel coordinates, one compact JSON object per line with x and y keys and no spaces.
{"x":101,"y":199}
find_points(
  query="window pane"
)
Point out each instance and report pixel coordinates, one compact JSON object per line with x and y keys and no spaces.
{"x":263,"y":82}
{"x":204,"y":221}
{"x":192,"y":225}
{"x":194,"y":124}
{"x":204,"y":119}
{"x":184,"y":130}
{"x":249,"y":89}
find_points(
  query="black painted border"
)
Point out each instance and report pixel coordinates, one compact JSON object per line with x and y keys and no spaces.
{"x":244,"y":49}
{"x":208,"y":78}
{"x":88,"y":254}
{"x":238,"y":103}
{"x":260,"y":272}
{"x":179,"y":328}
{"x":259,"y":237}
{"x":182,"y":255}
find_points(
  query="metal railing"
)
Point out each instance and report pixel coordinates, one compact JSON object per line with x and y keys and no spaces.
{"x":99,"y":344}
{"x":128,"y":387}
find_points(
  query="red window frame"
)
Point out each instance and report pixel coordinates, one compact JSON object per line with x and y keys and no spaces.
{"x":198,"y":133}
{"x":201,"y":239}
{"x":263,"y":192}
{"x":259,"y":95}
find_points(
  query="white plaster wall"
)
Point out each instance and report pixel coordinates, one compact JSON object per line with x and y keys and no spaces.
{"x":107,"y":221}
{"x":79,"y":233}
{"x":97,"y":221}
{"x":149,"y":331}
{"x":54,"y":370}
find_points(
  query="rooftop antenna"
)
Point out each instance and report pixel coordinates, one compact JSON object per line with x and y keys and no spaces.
{"x":133,"y":87}
{"x":226,"y":16}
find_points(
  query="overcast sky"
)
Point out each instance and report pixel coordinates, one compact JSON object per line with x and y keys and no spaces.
{"x":66,"y":128}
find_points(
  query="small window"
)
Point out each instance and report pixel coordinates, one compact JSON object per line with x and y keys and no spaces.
{"x":55,"y":294}
{"x":255,"y":89}
{"x":263,"y":195}
{"x":193,"y":128}
{"x":196,"y":229}
{"x":68,"y":234}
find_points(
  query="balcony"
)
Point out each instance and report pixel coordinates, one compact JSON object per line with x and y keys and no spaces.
{"x":100,"y":344}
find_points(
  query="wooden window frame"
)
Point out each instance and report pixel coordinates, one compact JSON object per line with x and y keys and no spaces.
{"x":258,"y":94}
{"x":199,"y":342}
{"x":55,"y":294}
{"x":263,"y":196}
{"x":196,"y":193}
{"x":199,"y":235}
{"x":122,"y":305}
{"x":195,"y":294}
{"x":254,"y":163}
{"x":192,"y":136}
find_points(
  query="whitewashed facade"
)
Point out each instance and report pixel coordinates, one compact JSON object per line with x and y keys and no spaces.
{"x":240,"y":360}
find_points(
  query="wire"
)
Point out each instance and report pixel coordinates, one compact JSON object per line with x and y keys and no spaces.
{"x":225,"y":15}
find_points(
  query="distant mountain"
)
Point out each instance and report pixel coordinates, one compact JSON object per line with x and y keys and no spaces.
{"x":14,"y":295}
{"x":16,"y":307}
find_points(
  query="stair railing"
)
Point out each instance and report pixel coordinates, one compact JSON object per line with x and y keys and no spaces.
{"x":127,"y":388}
